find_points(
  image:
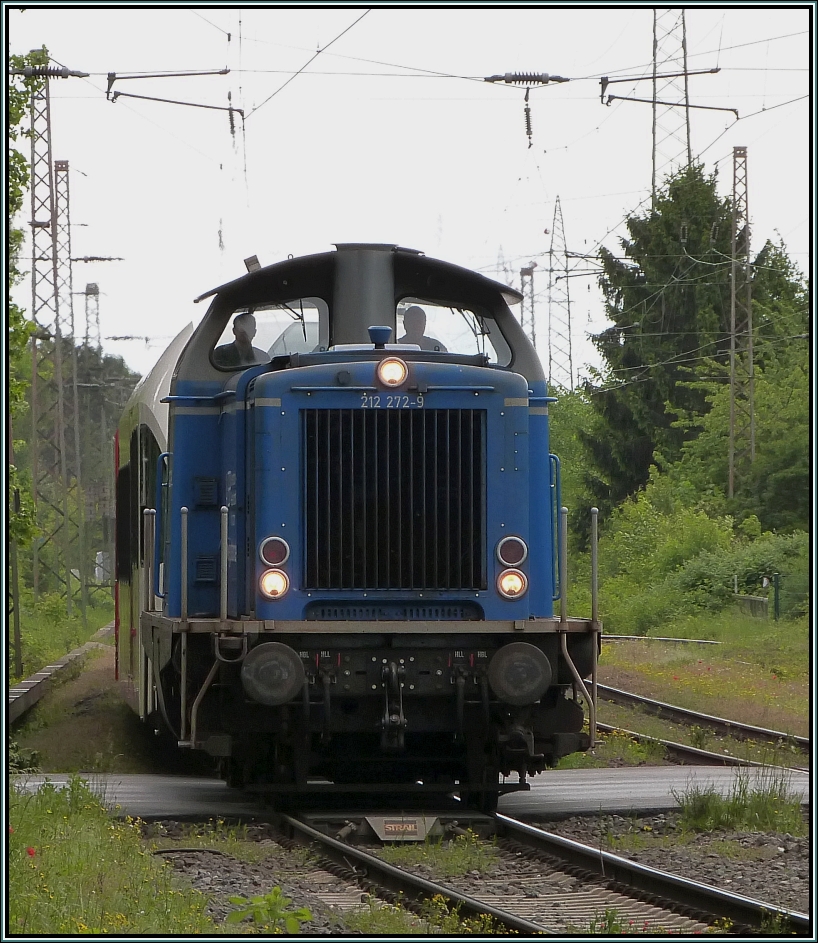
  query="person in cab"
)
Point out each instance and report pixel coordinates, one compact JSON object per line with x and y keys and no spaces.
{"x":414,"y":323}
{"x":241,"y":352}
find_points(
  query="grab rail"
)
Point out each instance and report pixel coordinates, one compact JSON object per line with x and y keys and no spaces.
{"x":157,"y":531}
{"x":555,"y":502}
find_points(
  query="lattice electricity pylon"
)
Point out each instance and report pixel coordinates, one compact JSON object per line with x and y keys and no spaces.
{"x":560,"y":358}
{"x":527,"y":304}
{"x":51,"y":566}
{"x":65,"y":316}
{"x":98,"y":486}
{"x":503,"y":268}
{"x":93,"y":334}
{"x":741,"y":446}
{"x":671,"y":123}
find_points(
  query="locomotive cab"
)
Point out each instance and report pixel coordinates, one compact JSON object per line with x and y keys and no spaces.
{"x":351,"y":564}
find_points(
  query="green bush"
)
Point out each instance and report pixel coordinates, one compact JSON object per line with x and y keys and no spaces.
{"x":709,"y":576}
{"x":47,"y":632}
{"x":662,"y":560}
{"x":652,"y":534}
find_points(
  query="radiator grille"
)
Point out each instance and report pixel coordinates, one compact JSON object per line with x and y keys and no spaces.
{"x":394,"y":499}
{"x":395,"y":612}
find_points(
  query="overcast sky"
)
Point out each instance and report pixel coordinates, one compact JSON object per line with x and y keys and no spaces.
{"x":389,"y":134}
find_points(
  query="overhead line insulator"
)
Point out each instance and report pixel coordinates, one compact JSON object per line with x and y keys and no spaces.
{"x":526,"y":78}
{"x":48,"y":72}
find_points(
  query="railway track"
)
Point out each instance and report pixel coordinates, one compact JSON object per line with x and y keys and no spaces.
{"x":688,"y":755}
{"x":558,"y":885}
{"x":719,"y":726}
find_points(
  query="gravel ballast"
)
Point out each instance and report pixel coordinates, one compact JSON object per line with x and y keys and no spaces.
{"x":772,"y":868}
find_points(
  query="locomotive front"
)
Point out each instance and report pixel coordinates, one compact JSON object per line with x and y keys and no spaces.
{"x":355,"y":535}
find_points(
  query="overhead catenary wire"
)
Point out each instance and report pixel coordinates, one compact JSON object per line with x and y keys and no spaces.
{"x":429,"y":75}
{"x":318,"y":53}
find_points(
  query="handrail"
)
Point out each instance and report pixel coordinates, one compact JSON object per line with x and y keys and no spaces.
{"x":183,"y":565}
{"x":157,"y":531}
{"x":148,"y":531}
{"x":581,"y":685}
{"x":223,"y":568}
{"x":555,"y":502}
{"x":595,"y":626}
{"x":563,"y":566}
{"x":594,"y":566}
{"x":198,"y":397}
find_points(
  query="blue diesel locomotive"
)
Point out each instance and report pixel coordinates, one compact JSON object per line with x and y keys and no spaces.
{"x":339,"y":535}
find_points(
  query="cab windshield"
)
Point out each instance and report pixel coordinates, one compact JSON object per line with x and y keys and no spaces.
{"x":256,"y":335}
{"x":449,"y":329}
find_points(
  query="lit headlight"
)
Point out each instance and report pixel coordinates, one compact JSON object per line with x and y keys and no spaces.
{"x":512,"y":583}
{"x":274,"y":583}
{"x":392,"y":371}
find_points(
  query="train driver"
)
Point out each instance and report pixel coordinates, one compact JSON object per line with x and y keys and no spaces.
{"x":414,"y":323}
{"x":240,"y":352}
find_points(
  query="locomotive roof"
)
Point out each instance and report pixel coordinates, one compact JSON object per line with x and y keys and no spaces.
{"x":446,"y":272}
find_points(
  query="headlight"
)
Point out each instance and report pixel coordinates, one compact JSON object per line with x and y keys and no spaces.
{"x":274,"y":583}
{"x":274,"y":551}
{"x":392,"y":371}
{"x":512,"y":583}
{"x":512,"y":551}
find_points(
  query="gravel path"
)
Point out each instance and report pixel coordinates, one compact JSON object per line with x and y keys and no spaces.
{"x":768,"y":867}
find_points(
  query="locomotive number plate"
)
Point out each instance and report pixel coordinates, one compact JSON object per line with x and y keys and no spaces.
{"x":392,"y":401}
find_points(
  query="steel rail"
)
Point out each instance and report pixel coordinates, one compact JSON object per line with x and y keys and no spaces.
{"x":402,"y":882}
{"x":694,"y":755}
{"x":732,"y":728}
{"x":669,"y":887}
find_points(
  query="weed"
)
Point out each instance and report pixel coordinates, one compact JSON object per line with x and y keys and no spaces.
{"x":775,"y":924}
{"x":457,"y":857}
{"x":438,"y":914}
{"x":699,"y":736}
{"x":610,"y":922}
{"x":769,"y":805}
{"x":436,"y":917}
{"x":379,"y":919}
{"x":73,"y":869}
{"x":269,"y":911}
{"x":218,"y":834}
{"x":619,"y":747}
{"x":22,"y":761}
{"x":588,"y":760}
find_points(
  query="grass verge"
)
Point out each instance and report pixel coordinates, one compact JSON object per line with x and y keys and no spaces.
{"x":48,"y":634}
{"x":758,"y":674}
{"x":615,"y":749}
{"x":72,"y":869}
{"x":765,"y":804}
